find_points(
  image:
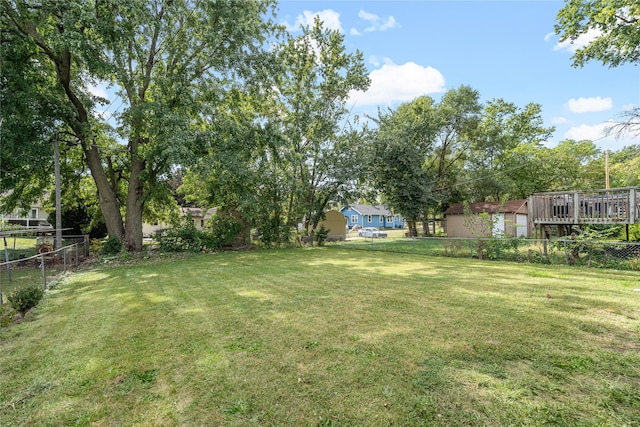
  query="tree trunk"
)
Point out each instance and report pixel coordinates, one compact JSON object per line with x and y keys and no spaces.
{"x":109,"y":204}
{"x":413,"y":229}
{"x":135,"y":205}
{"x":425,"y":228}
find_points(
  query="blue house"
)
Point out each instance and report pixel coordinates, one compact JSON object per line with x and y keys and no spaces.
{"x":371,"y":216}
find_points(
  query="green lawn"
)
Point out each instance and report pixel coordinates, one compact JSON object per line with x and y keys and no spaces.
{"x":327,"y":336}
{"x":16,"y":246}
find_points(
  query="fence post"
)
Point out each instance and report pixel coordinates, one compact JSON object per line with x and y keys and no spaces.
{"x":44,"y":275}
{"x":64,"y":260}
{"x":76,"y":246}
{"x":6,"y":257}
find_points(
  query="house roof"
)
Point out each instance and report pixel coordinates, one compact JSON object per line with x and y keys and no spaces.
{"x":511,"y":206}
{"x":370,"y":210}
{"x":198,"y":212}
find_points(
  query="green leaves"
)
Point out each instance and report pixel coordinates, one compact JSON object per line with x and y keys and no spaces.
{"x":614,"y":26}
{"x":167,"y":59}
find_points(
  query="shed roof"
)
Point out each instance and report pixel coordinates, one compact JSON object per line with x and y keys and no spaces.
{"x":511,"y":206}
{"x":370,"y":210}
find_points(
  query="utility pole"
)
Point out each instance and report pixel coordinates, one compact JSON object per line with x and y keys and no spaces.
{"x":56,"y":155}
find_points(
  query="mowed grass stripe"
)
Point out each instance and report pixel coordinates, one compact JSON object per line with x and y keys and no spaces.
{"x":327,"y":337}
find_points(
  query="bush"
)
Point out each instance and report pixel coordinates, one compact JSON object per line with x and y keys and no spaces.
{"x":6,"y":315}
{"x":184,"y":237}
{"x":222,"y":230}
{"x":501,"y":248}
{"x":634,"y":264}
{"x":272,"y":231}
{"x":321,"y":235}
{"x":112,"y":246}
{"x":25,"y":299}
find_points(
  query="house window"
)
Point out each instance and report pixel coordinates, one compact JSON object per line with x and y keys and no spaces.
{"x":34,"y":213}
{"x":202,"y":223}
{"x":354,"y":219}
{"x":381,"y":219}
{"x":369,"y":218}
{"x":390,"y":218}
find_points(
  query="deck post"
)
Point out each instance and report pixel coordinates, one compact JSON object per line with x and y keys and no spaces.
{"x":632,"y":205}
{"x":576,"y":207}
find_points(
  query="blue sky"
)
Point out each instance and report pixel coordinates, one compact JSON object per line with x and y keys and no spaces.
{"x":503,"y":49}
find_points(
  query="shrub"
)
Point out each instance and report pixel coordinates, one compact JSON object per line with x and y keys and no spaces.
{"x":25,"y":299}
{"x":321,"y":235}
{"x":222,"y":230}
{"x":272,"y":231}
{"x":501,"y":248}
{"x":184,"y":237}
{"x":112,"y":246}
{"x":6,"y":315}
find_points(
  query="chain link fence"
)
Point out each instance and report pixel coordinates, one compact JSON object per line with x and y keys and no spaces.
{"x":589,"y":253}
{"x":33,"y":261}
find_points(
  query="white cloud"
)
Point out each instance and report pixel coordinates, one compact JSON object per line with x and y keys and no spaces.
{"x":368,"y":16}
{"x":559,"y":120}
{"x":355,"y":32}
{"x":399,"y":83}
{"x":600,"y":135}
{"x":589,"y":132}
{"x":375,"y":24}
{"x":390,"y":23}
{"x":329,"y":17}
{"x":589,"y":105}
{"x":582,"y":41}
{"x":99,"y":90}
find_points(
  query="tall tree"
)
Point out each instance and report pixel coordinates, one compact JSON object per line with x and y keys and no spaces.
{"x":403,"y":141}
{"x":165,"y":56}
{"x":505,"y":147}
{"x":30,"y":108}
{"x":456,"y":118}
{"x":398,"y":174}
{"x":612,"y":25}
{"x":278,"y":157}
{"x":313,"y":85}
{"x":239,"y":173}
{"x":420,"y":151}
{"x":625,"y":167}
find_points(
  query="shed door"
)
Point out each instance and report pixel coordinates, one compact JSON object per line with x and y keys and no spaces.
{"x":522,"y":226}
{"x":498,"y":224}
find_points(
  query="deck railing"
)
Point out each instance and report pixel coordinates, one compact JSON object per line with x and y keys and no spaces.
{"x":610,"y":206}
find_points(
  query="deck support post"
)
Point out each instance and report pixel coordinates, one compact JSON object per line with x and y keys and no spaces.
{"x":632,"y":206}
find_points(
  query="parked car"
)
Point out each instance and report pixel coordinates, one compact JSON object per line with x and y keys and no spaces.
{"x":371,"y":232}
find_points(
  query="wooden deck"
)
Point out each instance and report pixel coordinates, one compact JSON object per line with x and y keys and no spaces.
{"x":610,"y":206}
